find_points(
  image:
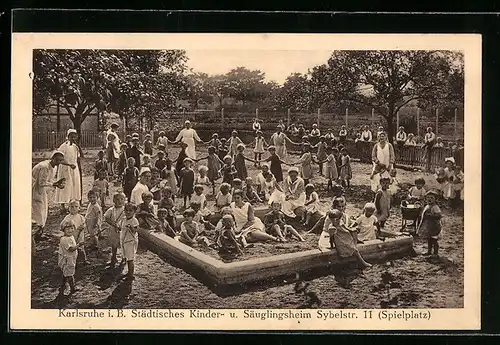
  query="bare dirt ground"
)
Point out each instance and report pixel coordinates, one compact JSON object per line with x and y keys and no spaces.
{"x":413,"y":281}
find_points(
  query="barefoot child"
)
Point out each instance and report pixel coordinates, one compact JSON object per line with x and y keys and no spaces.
{"x":93,"y":219}
{"x":215,"y":143}
{"x":259,"y":147}
{"x":190,"y":232}
{"x":311,"y":204}
{"x":200,"y":198}
{"x":186,"y":180}
{"x":79,"y":222}
{"x":226,"y":236}
{"x":260,"y":179}
{"x":101,"y":186}
{"x":344,"y":239}
{"x":223,"y":198}
{"x":275,"y":224}
{"x":67,"y":254}
{"x":345,"y":169}
{"x":366,"y":224}
{"x":429,"y":223}
{"x":272,"y":190}
{"x":129,"y":239}
{"x":113,"y":219}
{"x":383,"y":202}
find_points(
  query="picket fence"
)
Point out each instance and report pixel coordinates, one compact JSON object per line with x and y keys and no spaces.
{"x":412,"y":156}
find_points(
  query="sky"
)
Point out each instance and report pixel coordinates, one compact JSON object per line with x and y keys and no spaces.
{"x":276,"y":64}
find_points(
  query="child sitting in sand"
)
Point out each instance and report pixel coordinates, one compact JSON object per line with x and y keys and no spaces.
{"x":311,"y":204}
{"x":203,"y":224}
{"x":366,"y":224}
{"x":200,"y":198}
{"x":190,"y":231}
{"x":236,"y":185}
{"x":223,"y":198}
{"x":250,"y":194}
{"x":275,"y":224}
{"x":272,"y":189}
{"x":145,"y":212}
{"x":226,"y":237}
{"x":342,"y":238}
{"x":164,"y":225}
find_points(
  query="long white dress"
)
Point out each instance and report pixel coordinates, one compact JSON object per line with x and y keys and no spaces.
{"x":42,"y":176}
{"x":188,"y":136}
{"x":115,"y":141}
{"x":279,"y":141}
{"x":241,"y":218}
{"x":72,"y":189}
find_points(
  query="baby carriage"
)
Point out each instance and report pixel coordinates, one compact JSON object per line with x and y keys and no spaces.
{"x":410,"y":210}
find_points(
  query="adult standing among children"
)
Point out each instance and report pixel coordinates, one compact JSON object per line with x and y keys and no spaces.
{"x":295,"y":194}
{"x":279,"y":140}
{"x":383,"y":153}
{"x":401,"y":136}
{"x":42,"y":175}
{"x":343,"y":134}
{"x":141,"y":186}
{"x":188,"y":136}
{"x":429,"y":141}
{"x":70,"y":172}
{"x":112,"y":146}
{"x":256,"y":125}
{"x":366,"y":135}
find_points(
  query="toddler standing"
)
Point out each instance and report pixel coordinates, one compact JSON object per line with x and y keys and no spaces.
{"x":129,"y":239}
{"x":67,"y":254}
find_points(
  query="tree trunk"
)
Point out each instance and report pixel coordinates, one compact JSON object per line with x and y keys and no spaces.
{"x":77,"y":123}
{"x":390,"y":125}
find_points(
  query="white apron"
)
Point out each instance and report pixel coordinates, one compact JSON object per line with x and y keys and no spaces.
{"x":279,"y":142}
{"x":188,"y":136}
{"x":383,"y":155}
{"x":72,"y":189}
{"x":136,"y":196}
{"x":42,"y":174}
{"x":241,"y":218}
{"x":116,"y":143}
{"x":289,"y":206}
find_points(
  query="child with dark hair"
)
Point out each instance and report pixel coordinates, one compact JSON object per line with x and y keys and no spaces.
{"x":130,"y":177}
{"x":145,"y":212}
{"x":100,"y":164}
{"x":164,"y":225}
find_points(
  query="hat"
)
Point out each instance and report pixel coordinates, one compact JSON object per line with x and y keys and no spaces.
{"x":449,"y":159}
{"x":71,"y":130}
{"x":369,"y":206}
{"x":309,"y":185}
{"x":187,"y":159}
{"x":56,"y":152}
{"x":293,"y":169}
{"x":186,"y":122}
{"x":144,"y":170}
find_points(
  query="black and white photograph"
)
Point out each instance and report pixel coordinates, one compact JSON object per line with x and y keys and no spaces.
{"x":255,"y":179}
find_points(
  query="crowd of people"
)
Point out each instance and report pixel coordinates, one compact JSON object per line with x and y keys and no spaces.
{"x":151,"y":181}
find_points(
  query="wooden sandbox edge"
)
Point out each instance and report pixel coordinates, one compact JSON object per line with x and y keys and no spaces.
{"x":252,"y":270}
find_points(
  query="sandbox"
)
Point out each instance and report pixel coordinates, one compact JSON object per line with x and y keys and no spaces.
{"x":216,"y":272}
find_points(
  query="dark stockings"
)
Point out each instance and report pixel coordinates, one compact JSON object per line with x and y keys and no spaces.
{"x":432,"y":246}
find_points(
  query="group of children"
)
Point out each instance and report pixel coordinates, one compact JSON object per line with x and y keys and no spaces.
{"x":226,"y":161}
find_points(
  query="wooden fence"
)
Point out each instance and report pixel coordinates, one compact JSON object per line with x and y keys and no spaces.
{"x":413,"y":156}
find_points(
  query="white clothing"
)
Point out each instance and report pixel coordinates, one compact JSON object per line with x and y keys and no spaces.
{"x":314,"y":206}
{"x":366,"y":227}
{"x":42,"y":175}
{"x":162,"y":141}
{"x":256,"y":126}
{"x":279,"y":141}
{"x":67,"y":259}
{"x":383,"y":154}
{"x":259,"y":145}
{"x":188,"y":136}
{"x":129,"y":239}
{"x":291,"y":188}
{"x":366,"y":135}
{"x":241,"y":218}
{"x":136,"y":196}
{"x":79,"y":222}
{"x":115,"y":142}
{"x":72,"y":188}
{"x":401,"y":136}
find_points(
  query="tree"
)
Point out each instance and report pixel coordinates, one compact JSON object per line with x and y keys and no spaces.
{"x":124,"y":81}
{"x":389,"y":80}
{"x":217,"y":87}
{"x":246,"y":85}
{"x":295,"y":93}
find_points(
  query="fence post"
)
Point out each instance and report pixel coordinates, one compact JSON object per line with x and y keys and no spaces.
{"x":437,"y":120}
{"x":319,"y":116}
{"x":346,"y":115}
{"x":397,"y":119}
{"x":256,"y":113}
{"x":373,"y":116}
{"x":455,"y":125}
{"x":222,"y":117}
{"x":418,"y":122}
{"x":288,"y":116}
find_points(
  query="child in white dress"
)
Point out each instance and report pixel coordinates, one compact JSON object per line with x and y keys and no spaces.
{"x":272,"y":189}
{"x":367,"y":224}
{"x":129,"y":239}
{"x":67,"y":254}
{"x":311,"y":204}
{"x":259,"y":147}
{"x":200,"y":198}
{"x":203,"y":180}
{"x":79,"y":222}
{"x":93,"y":219}
{"x":113,"y":218}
